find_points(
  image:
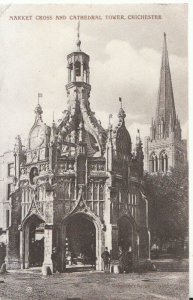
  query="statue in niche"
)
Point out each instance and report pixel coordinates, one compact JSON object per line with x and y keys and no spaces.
{"x":33,"y":174}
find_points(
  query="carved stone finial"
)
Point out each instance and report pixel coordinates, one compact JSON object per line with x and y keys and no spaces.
{"x":38,"y":111}
{"x":121,"y":114}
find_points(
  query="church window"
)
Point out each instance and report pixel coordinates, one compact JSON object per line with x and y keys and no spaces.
{"x":11,"y":169}
{"x":132,"y":203}
{"x":163,"y":162}
{"x":156,"y":163}
{"x":166,"y":163}
{"x":95,"y":191}
{"x":101,"y":191}
{"x":153,"y":163}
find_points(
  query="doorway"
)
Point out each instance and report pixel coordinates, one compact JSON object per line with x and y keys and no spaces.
{"x":34,"y":242}
{"x":80,"y":248}
{"x":125,"y":234}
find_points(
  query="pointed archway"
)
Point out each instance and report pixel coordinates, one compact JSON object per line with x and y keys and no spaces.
{"x":33,"y":241}
{"x":87,"y":244}
{"x":81,"y":241}
{"x":125,"y":233}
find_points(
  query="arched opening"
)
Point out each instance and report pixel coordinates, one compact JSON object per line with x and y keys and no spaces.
{"x":125,"y":234}
{"x":153,"y":163}
{"x":78,"y":70}
{"x":33,"y":242}
{"x":163,"y":162}
{"x":166,"y":162}
{"x":70,"y":72}
{"x":80,"y":248}
{"x":85,"y":72}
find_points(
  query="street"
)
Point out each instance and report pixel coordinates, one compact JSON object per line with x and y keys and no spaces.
{"x":93,"y":285}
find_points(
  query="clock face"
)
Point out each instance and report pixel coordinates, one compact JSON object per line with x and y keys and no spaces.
{"x":37,"y":137}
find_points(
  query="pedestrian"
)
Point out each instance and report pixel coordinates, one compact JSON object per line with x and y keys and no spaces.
{"x":54,"y":258}
{"x":121,"y":260}
{"x":128,"y":261}
{"x":3,"y":269}
{"x":2,"y":253}
{"x":106,"y":258}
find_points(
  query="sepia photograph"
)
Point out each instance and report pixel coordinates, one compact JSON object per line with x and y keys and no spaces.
{"x":94,"y":175}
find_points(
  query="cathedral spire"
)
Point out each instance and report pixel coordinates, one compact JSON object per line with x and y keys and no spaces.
{"x":165,"y":104}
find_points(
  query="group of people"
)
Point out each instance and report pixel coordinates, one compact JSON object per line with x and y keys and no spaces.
{"x":125,"y":260}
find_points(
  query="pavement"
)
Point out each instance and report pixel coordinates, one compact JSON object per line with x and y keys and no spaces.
{"x":31,"y":285}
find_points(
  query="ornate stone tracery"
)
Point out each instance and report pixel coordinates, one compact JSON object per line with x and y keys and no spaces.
{"x":79,"y":168}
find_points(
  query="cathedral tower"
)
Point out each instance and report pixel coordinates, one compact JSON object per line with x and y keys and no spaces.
{"x":165,"y":147}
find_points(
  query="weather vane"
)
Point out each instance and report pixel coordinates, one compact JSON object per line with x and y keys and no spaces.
{"x":40,"y":95}
{"x":120,"y":100}
{"x":78,"y":29}
{"x":78,"y":36}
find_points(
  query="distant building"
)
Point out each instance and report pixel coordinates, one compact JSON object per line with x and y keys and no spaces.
{"x":165,"y":147}
{"x":7,"y":173}
{"x":77,"y":186}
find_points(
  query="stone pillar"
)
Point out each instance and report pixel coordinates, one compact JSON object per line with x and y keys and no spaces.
{"x":22,"y":249}
{"x":108,"y":237}
{"x":115,"y":247}
{"x":26,"y":246}
{"x":12,"y":254}
{"x":69,"y":74}
{"x":13,"y":234}
{"x":87,"y":75}
{"x":99,"y":247}
{"x":63,"y":247}
{"x":82,"y":72}
{"x":74,"y":72}
{"x":48,"y":247}
{"x":149,"y":244}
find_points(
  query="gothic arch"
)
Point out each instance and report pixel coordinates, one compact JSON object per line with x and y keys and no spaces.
{"x":29,"y":217}
{"x":126,"y":228}
{"x":163,"y":161}
{"x":153,"y":162}
{"x":88,"y":215}
{"x":33,"y":219}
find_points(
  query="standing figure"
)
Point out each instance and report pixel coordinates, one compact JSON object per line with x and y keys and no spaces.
{"x":121,"y":260}
{"x":54,"y":258}
{"x":128,"y":261}
{"x":106,"y":258}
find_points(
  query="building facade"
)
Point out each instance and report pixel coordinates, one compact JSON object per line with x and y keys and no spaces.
{"x":165,"y":148}
{"x":77,"y":187}
{"x":7,"y":172}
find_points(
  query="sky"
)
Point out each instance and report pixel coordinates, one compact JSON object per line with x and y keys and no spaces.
{"x":125,"y":60}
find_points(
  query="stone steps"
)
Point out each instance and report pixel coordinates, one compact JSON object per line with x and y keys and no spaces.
{"x":172,"y":266}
